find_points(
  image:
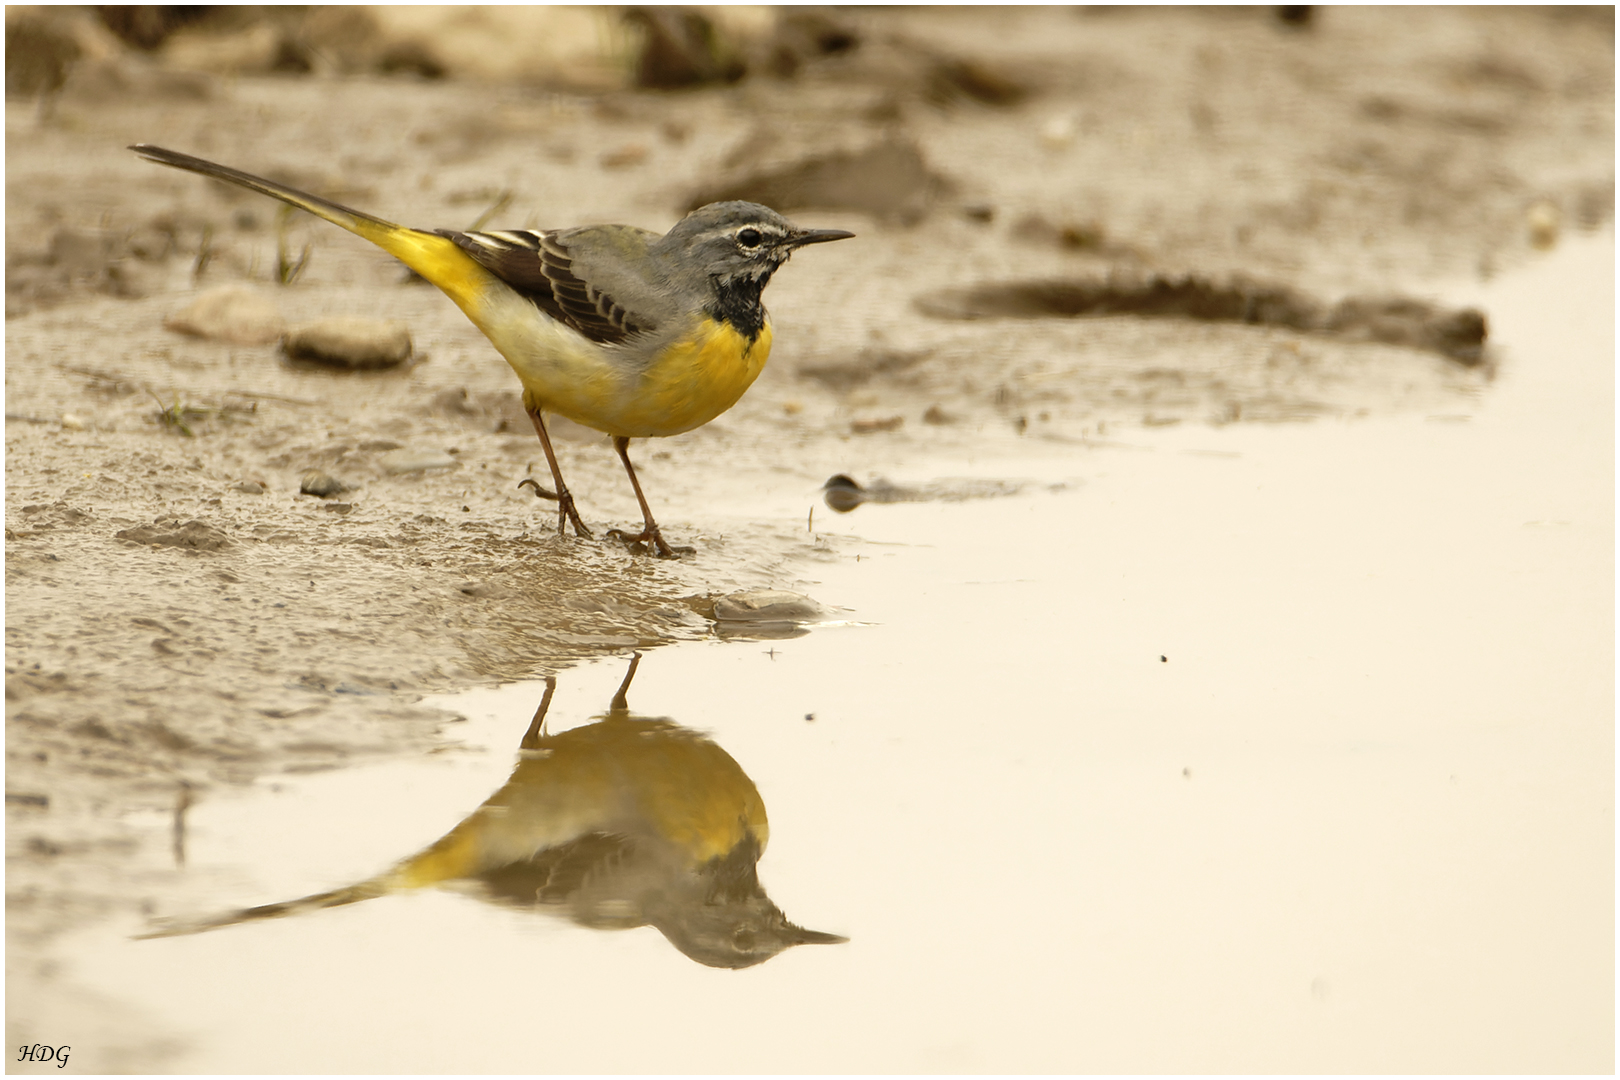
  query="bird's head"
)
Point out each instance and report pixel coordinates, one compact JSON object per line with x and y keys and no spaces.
{"x":736,"y":933}
{"x":735,"y":242}
{"x":721,"y":916}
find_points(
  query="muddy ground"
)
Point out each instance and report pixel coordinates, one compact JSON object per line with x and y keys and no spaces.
{"x":181,"y":619}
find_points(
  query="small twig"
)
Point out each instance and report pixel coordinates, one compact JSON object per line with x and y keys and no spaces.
{"x":502,"y":201}
{"x":180,"y":807}
{"x":288,"y":271}
{"x":271,"y":397}
{"x":205,"y":252}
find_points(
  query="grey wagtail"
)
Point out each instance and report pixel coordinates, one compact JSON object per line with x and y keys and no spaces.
{"x":615,"y":327}
{"x":628,"y":821}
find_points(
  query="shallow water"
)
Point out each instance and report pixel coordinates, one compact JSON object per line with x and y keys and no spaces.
{"x":1238,"y":749}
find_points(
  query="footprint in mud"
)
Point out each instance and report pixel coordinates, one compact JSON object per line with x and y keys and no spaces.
{"x":843,"y":493}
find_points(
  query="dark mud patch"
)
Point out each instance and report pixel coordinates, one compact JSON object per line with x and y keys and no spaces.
{"x":1458,"y":334}
{"x":888,"y":180}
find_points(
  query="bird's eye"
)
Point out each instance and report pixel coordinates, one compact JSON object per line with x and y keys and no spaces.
{"x":750,"y":238}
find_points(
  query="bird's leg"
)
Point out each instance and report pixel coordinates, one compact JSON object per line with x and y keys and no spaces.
{"x":649,"y":533}
{"x":565,"y":501}
{"x":537,"y":727}
{"x":620,"y":705}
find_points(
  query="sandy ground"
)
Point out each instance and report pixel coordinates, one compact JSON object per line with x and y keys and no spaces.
{"x":1368,"y":153}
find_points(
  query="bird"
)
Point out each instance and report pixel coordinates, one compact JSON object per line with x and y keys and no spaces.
{"x":624,"y":822}
{"x":618,"y":328}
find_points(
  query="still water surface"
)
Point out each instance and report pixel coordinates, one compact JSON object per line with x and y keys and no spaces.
{"x":1242,"y":749}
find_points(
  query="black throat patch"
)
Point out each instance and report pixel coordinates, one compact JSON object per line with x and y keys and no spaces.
{"x":737,"y":301}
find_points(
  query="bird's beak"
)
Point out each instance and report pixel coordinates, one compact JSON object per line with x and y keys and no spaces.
{"x":801,"y":237}
{"x":798,"y":935}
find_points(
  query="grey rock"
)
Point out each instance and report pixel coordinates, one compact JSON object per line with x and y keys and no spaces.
{"x":350,"y":342}
{"x":321,"y":485}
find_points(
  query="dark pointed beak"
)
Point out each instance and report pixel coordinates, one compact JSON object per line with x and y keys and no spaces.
{"x":798,"y":935}
{"x":801,"y":237}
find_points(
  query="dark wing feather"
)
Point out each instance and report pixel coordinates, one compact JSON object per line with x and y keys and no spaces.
{"x":537,"y":265}
{"x":554,"y":875}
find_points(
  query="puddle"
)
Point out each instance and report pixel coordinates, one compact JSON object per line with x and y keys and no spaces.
{"x":1255,"y":748}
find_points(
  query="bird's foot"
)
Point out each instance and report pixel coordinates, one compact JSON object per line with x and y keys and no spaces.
{"x":565,"y":507}
{"x":654,"y":539}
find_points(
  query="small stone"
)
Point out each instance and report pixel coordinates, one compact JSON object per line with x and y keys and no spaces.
{"x":767,"y":605}
{"x":411,"y":460}
{"x":1544,"y":221}
{"x":1059,"y":131}
{"x":937,"y":415}
{"x":320,"y":485}
{"x":869,"y":427}
{"x":71,"y":422}
{"x":624,"y":157}
{"x":249,"y":487}
{"x":350,"y":342}
{"x":233,"y":313}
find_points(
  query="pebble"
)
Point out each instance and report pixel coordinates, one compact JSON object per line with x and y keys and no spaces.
{"x":767,"y":605}
{"x":351,"y":342}
{"x":1544,"y":221}
{"x":320,"y":484}
{"x":1059,"y":131}
{"x":234,"y":313}
{"x":413,"y":460}
{"x":250,"y":487}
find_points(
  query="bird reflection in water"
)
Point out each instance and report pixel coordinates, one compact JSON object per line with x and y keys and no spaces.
{"x":628,"y":821}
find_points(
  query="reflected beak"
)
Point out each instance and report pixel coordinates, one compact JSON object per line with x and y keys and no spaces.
{"x":798,"y":935}
{"x":802,"y":237}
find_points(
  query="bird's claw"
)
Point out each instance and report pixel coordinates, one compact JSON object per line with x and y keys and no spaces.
{"x":651,"y":536}
{"x":565,"y":506}
{"x":540,"y":492}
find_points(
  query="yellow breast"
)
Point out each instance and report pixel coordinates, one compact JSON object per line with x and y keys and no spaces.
{"x":619,"y":389}
{"x":692,"y":382}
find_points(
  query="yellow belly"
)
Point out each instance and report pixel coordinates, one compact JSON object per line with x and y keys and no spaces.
{"x":694,"y":381}
{"x":619,"y":389}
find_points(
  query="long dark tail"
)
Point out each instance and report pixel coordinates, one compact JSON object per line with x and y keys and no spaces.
{"x":435,"y":257}
{"x":336,"y":213}
{"x":351,"y":894}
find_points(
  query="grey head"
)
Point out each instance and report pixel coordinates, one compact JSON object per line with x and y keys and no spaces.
{"x":722,"y":917}
{"x":737,"y":243}
{"x":735,"y":933}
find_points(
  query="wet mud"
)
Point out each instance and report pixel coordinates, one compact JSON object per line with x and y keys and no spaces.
{"x":1458,"y":335}
{"x":226,"y":563}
